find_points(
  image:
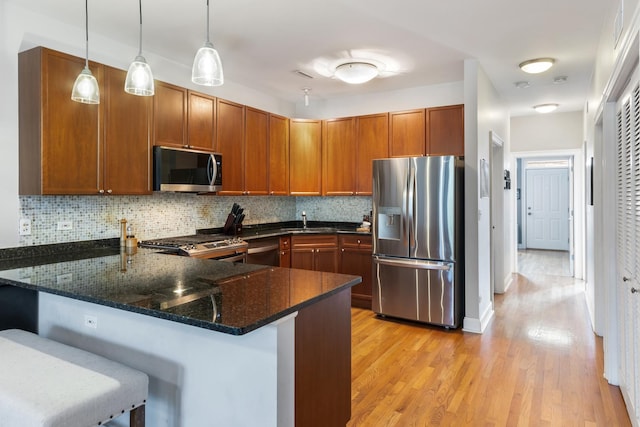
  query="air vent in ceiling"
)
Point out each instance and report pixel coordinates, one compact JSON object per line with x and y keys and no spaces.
{"x":303,"y":74}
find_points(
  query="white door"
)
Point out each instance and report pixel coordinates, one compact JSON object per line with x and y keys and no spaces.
{"x":628,"y":245}
{"x":547,"y":208}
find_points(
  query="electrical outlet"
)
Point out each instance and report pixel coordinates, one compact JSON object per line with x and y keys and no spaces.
{"x":25,"y":226}
{"x":91,"y":321}
{"x":65,"y":225}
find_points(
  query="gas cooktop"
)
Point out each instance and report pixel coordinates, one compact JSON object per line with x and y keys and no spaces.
{"x":198,"y":244}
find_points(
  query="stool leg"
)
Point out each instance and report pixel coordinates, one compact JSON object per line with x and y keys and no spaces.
{"x":136,"y":417}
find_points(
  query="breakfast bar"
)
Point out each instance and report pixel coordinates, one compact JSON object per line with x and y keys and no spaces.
{"x":222,"y":343}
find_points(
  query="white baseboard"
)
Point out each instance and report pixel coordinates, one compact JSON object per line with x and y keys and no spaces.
{"x":477,"y":326}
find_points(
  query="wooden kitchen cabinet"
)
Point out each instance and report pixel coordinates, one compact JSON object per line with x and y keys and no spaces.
{"x":169,"y":115}
{"x":285,"y":252}
{"x":201,"y":112}
{"x":68,"y":147}
{"x":278,"y":155}
{"x":338,"y":157}
{"x":407,"y":133}
{"x":318,"y":252}
{"x":230,"y":136}
{"x":445,"y":130}
{"x":305,"y":157}
{"x":372,"y":136}
{"x":356,"y":259}
{"x":256,"y":167}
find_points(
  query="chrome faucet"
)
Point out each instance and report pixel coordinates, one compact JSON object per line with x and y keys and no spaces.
{"x":304,"y":219}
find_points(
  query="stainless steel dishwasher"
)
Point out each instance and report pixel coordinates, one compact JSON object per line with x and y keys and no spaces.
{"x":264,"y":251}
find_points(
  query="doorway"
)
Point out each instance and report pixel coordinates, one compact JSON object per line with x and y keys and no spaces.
{"x":545,"y":205}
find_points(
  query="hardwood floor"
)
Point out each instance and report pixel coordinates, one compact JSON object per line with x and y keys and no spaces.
{"x":537,"y":364}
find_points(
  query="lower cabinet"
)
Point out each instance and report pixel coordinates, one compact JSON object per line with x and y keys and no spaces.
{"x":317,"y":252}
{"x":355,"y":259}
{"x":285,"y":252}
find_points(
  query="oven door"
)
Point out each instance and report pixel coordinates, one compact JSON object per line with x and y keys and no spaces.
{"x":231,"y":255}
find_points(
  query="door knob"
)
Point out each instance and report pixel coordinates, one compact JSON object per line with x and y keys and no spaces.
{"x":529,"y":213}
{"x":634,"y":290}
{"x":625,"y":279}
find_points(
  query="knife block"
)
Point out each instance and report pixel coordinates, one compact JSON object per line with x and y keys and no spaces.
{"x":230,"y":228}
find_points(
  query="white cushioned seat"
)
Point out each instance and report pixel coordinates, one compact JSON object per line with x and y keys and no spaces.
{"x":46,"y":383}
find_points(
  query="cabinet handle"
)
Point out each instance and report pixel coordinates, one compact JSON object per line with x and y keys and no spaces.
{"x":358,"y":241}
{"x":101,"y":191}
{"x":271,"y":193}
{"x":342,"y":249}
{"x":625,"y":279}
{"x":109,"y":191}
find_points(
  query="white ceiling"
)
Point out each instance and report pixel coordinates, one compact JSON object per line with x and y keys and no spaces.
{"x":261,"y":43}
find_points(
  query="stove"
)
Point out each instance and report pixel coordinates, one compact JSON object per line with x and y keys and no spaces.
{"x":212,"y":246}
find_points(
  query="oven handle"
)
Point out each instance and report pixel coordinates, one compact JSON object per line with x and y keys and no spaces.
{"x":262,"y":249}
{"x":240,"y":257}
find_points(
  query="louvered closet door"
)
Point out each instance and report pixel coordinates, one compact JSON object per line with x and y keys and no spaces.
{"x":628,"y":242}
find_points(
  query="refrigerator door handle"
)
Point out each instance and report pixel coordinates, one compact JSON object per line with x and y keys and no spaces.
{"x":421,"y":265}
{"x":410,"y":203}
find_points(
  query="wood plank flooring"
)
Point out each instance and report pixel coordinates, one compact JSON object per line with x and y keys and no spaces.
{"x":537,"y":364}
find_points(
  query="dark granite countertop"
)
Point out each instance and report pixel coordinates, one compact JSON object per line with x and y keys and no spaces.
{"x":216,"y":295}
{"x":258,"y":231}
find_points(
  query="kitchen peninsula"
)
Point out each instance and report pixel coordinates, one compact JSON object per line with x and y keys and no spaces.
{"x":223,"y":344}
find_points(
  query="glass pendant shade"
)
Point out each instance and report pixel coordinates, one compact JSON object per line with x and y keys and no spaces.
{"x":207,"y":67}
{"x":139,"y":78}
{"x":85,"y":88}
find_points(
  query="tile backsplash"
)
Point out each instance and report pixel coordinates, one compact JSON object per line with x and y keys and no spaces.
{"x":169,"y":214}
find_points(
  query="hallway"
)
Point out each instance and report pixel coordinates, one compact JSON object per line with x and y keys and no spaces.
{"x":537,"y":364}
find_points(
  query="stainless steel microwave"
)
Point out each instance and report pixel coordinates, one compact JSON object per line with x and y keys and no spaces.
{"x":186,"y":170}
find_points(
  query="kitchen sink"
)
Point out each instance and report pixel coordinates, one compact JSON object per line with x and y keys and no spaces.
{"x":309,"y":230}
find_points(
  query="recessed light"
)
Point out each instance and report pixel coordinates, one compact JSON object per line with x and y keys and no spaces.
{"x":522,"y":85}
{"x":538,"y":65}
{"x":545,"y":108}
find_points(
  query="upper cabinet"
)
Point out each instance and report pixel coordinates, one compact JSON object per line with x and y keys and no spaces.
{"x":372,"y":137}
{"x":256,"y":170}
{"x":68,"y":147}
{"x":338,"y":157}
{"x":305,"y":160}
{"x":445,"y":130}
{"x":230,"y":143}
{"x":278,"y":155}
{"x":169,"y":115}
{"x":407,"y":133}
{"x":202,"y":120}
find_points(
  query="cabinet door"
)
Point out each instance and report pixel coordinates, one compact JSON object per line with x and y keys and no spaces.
{"x":326,"y":259}
{"x":372,"y":136}
{"x":445,"y":130}
{"x":127,"y":139}
{"x":407,"y":133}
{"x":69,"y":143}
{"x":278,"y":155}
{"x":230,"y":143}
{"x":355,"y":259}
{"x":305,"y":159}
{"x":302,"y":257}
{"x":169,"y":115}
{"x":202,"y":121}
{"x":339,"y":157}
{"x":256,"y":169}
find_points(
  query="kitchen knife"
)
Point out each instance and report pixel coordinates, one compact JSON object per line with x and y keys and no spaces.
{"x":239,"y":219}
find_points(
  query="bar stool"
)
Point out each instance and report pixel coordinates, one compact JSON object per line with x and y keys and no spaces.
{"x":46,"y":383}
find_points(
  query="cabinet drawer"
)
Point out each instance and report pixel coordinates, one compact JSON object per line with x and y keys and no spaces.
{"x":316,"y":241}
{"x":355,"y":241}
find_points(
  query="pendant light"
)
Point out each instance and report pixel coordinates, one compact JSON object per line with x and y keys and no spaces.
{"x":85,"y":88}
{"x":207,"y":67}
{"x":139,"y":77}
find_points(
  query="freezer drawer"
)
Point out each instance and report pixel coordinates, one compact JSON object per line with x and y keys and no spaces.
{"x":418,"y":290}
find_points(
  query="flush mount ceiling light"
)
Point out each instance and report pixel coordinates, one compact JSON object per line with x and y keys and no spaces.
{"x":86,"y":89}
{"x":207,"y":67}
{"x":538,"y":65}
{"x":139,"y":77}
{"x":356,"y":72}
{"x":545,"y":108}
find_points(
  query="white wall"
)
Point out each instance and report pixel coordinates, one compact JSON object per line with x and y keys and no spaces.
{"x":547,"y":132}
{"x":484,"y":112}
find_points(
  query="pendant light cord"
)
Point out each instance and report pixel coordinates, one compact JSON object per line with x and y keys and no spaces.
{"x":86,"y":33}
{"x":208,"y":21}
{"x":140,"y":44}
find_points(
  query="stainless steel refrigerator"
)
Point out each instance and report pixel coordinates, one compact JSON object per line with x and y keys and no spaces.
{"x":418,"y":233}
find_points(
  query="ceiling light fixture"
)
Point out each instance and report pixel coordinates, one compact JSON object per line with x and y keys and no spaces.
{"x":538,"y":65}
{"x":207,"y":67}
{"x":306,"y":91}
{"x":139,"y":77}
{"x":356,"y":72}
{"x":545,"y":108}
{"x":86,"y":89}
